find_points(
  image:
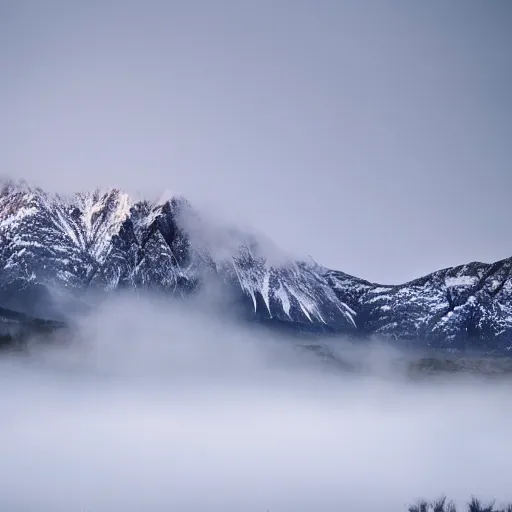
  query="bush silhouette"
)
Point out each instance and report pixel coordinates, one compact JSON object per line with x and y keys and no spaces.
{"x":441,"y":505}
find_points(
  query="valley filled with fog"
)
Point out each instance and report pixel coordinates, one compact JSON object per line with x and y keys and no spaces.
{"x":372,"y":138}
{"x":172,"y":406}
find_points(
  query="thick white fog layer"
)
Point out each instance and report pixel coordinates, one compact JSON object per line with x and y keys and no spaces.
{"x":161,"y":408}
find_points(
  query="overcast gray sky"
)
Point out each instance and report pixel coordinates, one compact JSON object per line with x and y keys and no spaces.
{"x":375,"y":136}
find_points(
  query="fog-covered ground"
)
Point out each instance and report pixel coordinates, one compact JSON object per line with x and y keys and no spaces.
{"x":159,"y":406}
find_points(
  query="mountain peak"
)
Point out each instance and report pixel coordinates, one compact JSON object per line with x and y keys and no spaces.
{"x":105,"y":240}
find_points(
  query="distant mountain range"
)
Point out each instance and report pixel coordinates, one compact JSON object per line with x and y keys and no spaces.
{"x":54,"y":247}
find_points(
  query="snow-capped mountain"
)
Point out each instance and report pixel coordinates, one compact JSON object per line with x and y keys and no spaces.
{"x":468,"y":306}
{"x":53,"y":245}
{"x":103,"y":240}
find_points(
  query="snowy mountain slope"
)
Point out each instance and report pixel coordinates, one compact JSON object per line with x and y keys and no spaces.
{"x":62,"y":246}
{"x":466,"y":306}
{"x":103,"y":240}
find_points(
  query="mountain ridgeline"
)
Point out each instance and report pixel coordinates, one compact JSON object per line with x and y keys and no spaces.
{"x":54,"y":247}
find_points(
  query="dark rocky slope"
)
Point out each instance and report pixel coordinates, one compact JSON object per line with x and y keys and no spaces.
{"x":54,"y":247}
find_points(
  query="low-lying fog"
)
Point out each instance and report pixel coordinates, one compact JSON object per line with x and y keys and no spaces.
{"x":164,"y":407}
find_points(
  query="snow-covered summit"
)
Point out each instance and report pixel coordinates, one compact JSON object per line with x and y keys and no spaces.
{"x":104,"y":240}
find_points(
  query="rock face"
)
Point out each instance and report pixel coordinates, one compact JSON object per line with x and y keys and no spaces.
{"x":62,"y":246}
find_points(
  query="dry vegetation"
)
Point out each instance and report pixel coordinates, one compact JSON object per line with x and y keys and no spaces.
{"x":442,"y":505}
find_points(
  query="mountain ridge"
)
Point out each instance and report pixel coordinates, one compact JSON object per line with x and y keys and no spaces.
{"x":104,"y":240}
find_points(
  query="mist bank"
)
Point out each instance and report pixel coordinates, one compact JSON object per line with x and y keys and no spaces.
{"x":158,"y":408}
